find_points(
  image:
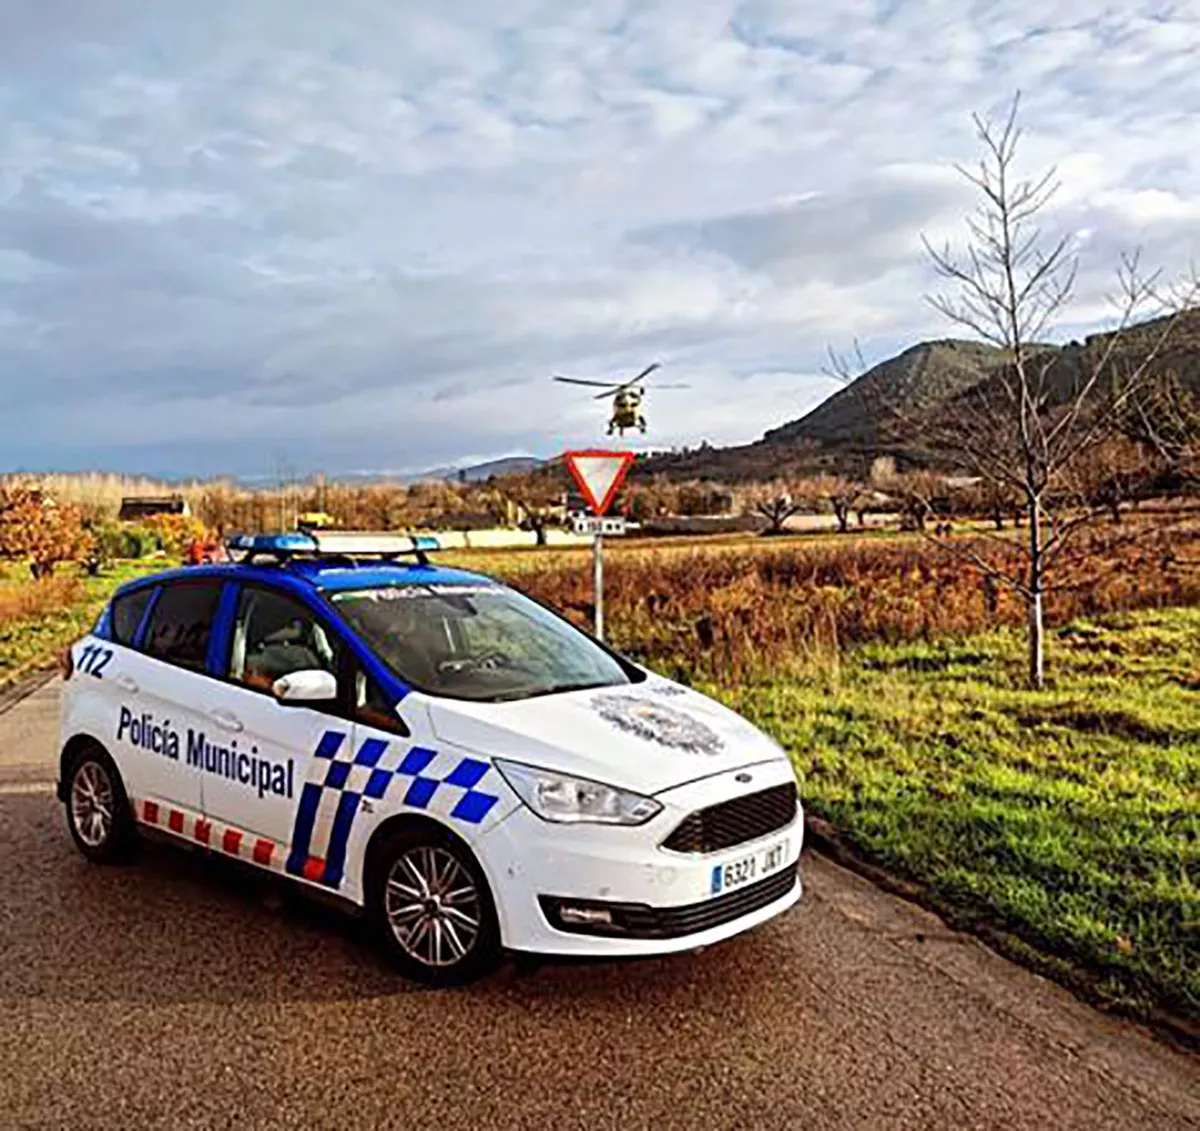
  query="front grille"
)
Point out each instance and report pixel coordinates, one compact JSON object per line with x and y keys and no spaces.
{"x":637,"y":921}
{"x":734,"y":822}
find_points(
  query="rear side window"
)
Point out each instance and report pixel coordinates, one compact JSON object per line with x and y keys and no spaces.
{"x":181,"y":623}
{"x":127,"y":613}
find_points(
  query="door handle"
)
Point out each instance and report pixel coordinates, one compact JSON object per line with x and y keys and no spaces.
{"x":127,"y":683}
{"x":226,"y":719}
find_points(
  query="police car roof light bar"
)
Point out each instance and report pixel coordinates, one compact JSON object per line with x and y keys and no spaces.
{"x":340,"y":544}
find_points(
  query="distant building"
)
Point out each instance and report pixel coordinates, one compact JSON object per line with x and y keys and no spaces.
{"x":146,"y":506}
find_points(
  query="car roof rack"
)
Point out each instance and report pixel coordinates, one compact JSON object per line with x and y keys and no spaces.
{"x":348,"y":545}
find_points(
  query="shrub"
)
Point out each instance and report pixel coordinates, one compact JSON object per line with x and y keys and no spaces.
{"x":108,"y":543}
{"x":174,"y":532}
{"x":138,"y":541}
{"x":34,"y":528}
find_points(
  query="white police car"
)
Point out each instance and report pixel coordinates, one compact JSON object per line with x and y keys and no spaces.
{"x":431,"y":746}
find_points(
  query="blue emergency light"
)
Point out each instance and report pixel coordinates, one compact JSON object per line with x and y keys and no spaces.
{"x":281,"y":544}
{"x":334,"y":544}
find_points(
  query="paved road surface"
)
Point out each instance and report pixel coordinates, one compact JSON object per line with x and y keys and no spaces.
{"x":176,"y":993}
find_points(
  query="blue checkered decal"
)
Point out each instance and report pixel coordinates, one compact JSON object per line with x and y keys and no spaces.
{"x":342,"y":782}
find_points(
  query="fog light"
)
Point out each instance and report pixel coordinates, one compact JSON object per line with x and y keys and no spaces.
{"x":586,"y":916}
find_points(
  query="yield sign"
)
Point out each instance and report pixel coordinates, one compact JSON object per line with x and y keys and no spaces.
{"x":598,"y":474}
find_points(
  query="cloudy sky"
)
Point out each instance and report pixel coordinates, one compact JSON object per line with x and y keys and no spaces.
{"x":361,"y":235}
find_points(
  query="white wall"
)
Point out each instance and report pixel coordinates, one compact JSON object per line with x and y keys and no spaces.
{"x":503,"y":536}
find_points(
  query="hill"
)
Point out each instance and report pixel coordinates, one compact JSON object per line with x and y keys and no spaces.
{"x":477,"y":473}
{"x":845,"y":430}
{"x":848,"y":429}
{"x":922,"y":377}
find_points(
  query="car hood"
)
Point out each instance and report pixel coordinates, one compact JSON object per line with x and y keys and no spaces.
{"x":645,"y":737}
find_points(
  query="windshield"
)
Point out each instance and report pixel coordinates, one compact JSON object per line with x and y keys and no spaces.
{"x":481,"y":642}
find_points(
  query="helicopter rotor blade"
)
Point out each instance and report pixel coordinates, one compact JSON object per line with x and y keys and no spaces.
{"x":581,"y":381}
{"x":671,"y":386}
{"x":641,"y":376}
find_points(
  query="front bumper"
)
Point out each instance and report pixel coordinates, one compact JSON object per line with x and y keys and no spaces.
{"x":659,"y":901}
{"x":639,"y":921}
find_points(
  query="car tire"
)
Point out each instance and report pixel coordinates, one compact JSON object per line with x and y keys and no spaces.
{"x":431,"y":908}
{"x":98,"y":812}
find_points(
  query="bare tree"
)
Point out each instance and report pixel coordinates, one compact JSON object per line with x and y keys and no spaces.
{"x":918,"y":494}
{"x":839,"y":493}
{"x":1164,"y":417}
{"x":1039,"y":410}
{"x":1110,"y":474}
{"x":538,"y":501}
{"x":776,"y":501}
{"x":993,"y":501}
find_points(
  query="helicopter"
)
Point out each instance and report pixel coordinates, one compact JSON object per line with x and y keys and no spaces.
{"x":627,"y":398}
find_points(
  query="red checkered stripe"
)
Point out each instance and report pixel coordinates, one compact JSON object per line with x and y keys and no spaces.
{"x":213,"y":834}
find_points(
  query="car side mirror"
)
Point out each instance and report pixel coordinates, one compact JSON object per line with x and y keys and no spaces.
{"x":309,"y":686}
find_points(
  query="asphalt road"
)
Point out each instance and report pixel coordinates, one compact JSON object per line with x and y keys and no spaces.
{"x":181,"y":993}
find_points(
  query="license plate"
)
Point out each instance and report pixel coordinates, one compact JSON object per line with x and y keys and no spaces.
{"x":746,"y":869}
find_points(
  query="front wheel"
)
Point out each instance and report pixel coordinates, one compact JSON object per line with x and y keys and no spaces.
{"x":98,"y":813}
{"x":432,"y":908}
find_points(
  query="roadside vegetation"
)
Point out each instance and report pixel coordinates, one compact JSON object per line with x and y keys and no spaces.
{"x":59,"y":563}
{"x":40,"y":617}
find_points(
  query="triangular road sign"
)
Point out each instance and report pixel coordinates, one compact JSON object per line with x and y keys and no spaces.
{"x":598,"y":474}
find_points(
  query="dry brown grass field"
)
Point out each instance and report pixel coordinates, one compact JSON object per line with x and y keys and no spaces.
{"x":729,"y":607}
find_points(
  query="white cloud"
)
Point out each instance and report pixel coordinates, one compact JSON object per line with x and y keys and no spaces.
{"x":331,"y":226}
{"x":1142,"y":207}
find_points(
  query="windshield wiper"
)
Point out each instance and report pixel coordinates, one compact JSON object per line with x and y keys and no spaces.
{"x":553,"y":689}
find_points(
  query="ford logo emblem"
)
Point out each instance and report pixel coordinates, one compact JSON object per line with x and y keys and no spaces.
{"x":742,"y":778}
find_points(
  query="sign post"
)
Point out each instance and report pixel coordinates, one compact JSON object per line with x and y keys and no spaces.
{"x":598,"y":581}
{"x":599,"y":474}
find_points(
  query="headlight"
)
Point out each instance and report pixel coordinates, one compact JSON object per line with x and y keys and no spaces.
{"x":568,"y":800}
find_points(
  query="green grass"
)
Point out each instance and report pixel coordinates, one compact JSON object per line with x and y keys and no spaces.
{"x":1068,"y":817}
{"x":33,"y":640}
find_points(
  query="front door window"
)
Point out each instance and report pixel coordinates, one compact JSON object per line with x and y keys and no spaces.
{"x":274,"y":636}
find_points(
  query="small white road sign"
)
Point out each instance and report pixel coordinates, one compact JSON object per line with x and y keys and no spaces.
{"x":597,"y":524}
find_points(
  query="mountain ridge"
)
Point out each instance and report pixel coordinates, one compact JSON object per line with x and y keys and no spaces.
{"x":847,"y":429}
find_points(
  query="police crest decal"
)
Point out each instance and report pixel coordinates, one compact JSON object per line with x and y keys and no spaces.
{"x":658,"y":722}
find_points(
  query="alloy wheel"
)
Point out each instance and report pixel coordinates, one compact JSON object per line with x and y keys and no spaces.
{"x":433,"y":906}
{"x":92,"y":804}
